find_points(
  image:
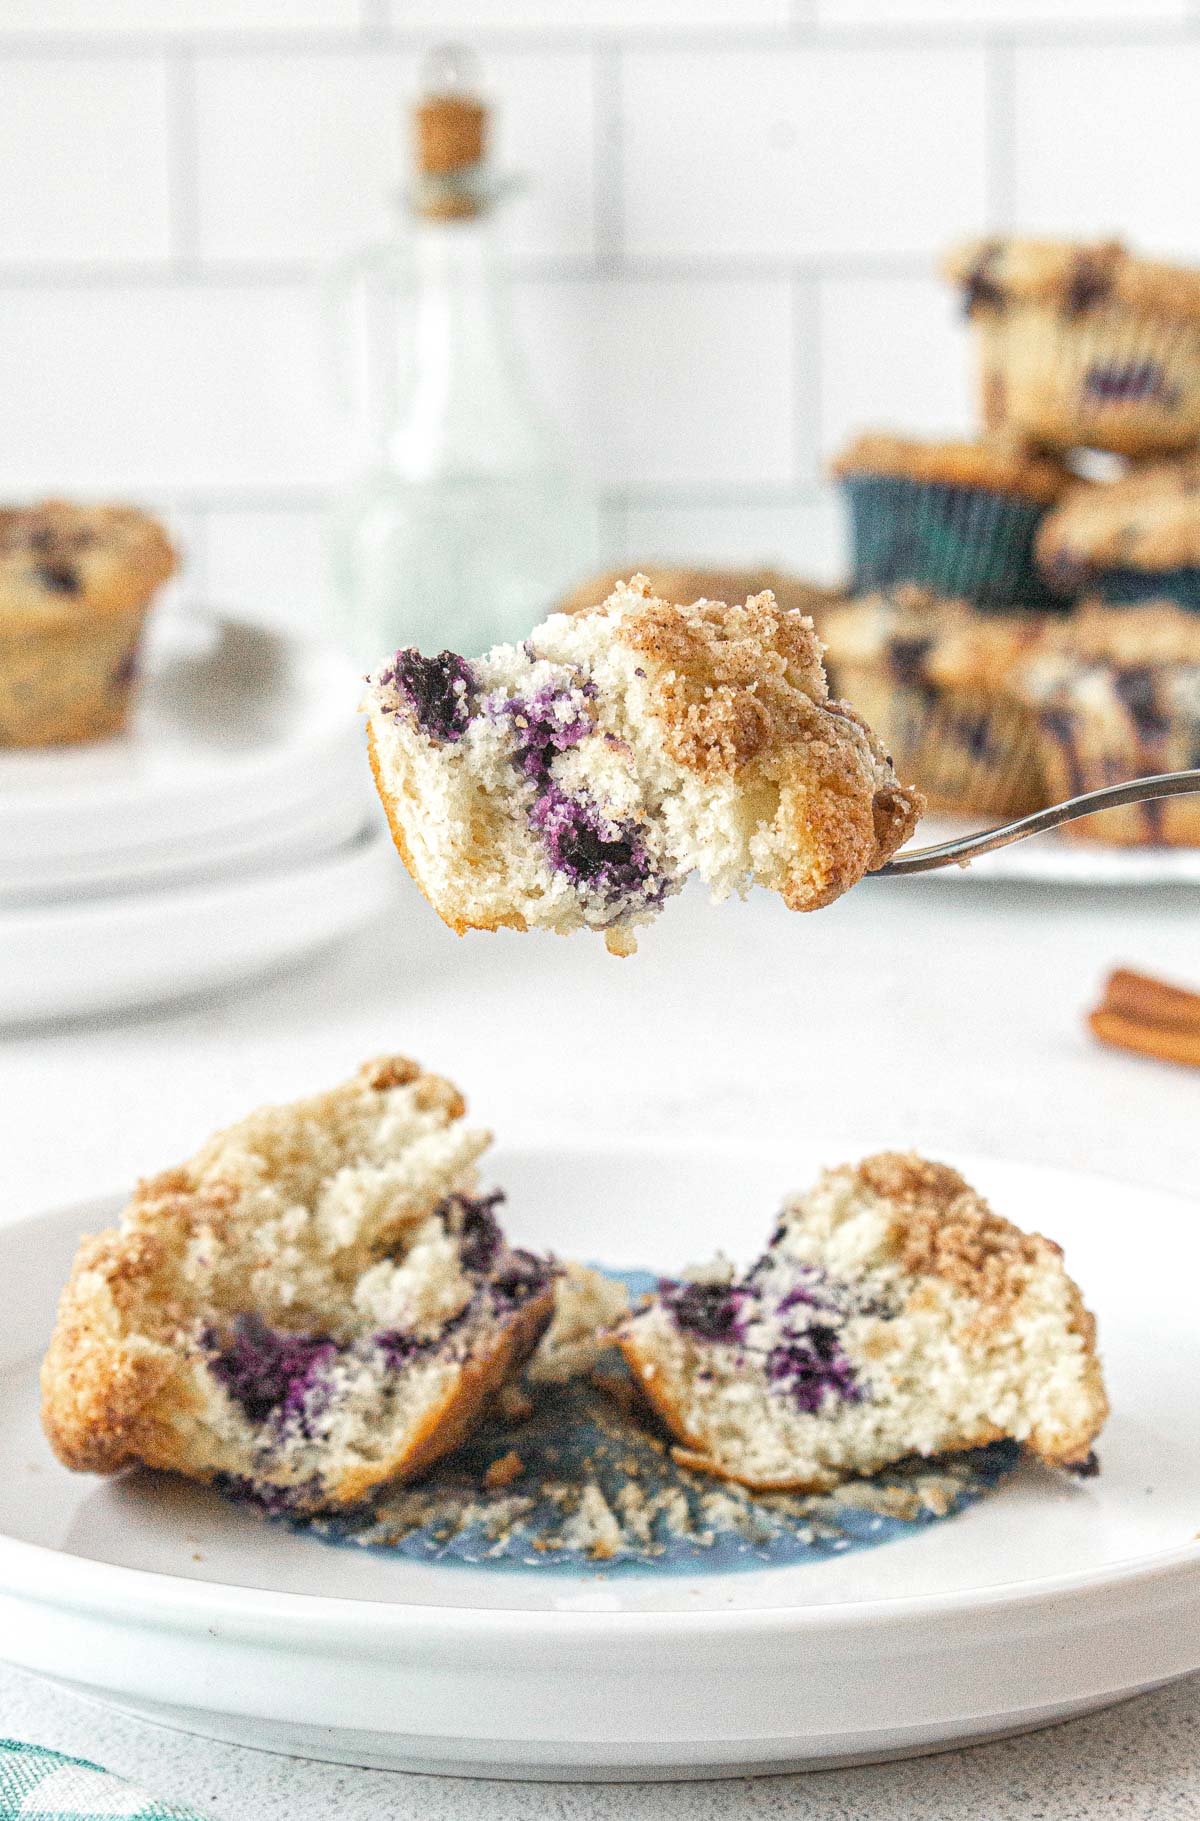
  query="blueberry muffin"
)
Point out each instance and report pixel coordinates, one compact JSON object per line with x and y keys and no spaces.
{"x":1117,"y":699}
{"x":576,"y":780}
{"x":892,"y":1314}
{"x":1129,"y":541}
{"x":1083,"y":345}
{"x":957,"y":517}
{"x":319,"y":1303}
{"x":930,"y":676}
{"x":76,"y":583}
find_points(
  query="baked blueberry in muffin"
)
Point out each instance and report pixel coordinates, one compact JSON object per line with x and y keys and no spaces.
{"x":576,"y":780}
{"x":319,"y":1303}
{"x":1118,"y":699}
{"x":892,"y":1314}
{"x":933,"y":678}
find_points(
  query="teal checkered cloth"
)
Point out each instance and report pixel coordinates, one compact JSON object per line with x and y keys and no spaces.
{"x":37,"y":1785}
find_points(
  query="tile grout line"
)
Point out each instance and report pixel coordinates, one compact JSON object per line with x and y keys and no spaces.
{"x":183,"y":196}
{"x":375,"y":28}
{"x":1000,"y":133}
{"x":530,"y":268}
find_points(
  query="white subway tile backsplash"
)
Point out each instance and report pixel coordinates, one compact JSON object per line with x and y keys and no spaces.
{"x":727,"y":246}
{"x":1106,"y":142}
{"x":269,"y":563}
{"x":805,"y":537}
{"x":895,"y":355}
{"x":300,"y":156}
{"x":48,"y":18}
{"x":159,"y":388}
{"x":585,"y":15}
{"x":667,"y":382}
{"x":83,"y":159}
{"x":809,"y":151}
{"x":1001,"y":13}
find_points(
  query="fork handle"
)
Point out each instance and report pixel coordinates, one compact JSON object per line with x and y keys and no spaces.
{"x":1112,"y":796}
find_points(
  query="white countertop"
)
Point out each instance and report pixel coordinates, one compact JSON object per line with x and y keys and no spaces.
{"x":946,"y":1014}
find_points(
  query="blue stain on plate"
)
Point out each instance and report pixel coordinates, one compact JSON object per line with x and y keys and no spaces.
{"x":587,"y":1481}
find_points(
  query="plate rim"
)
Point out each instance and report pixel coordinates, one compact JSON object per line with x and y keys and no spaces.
{"x":338,"y":731}
{"x":39,"y":1573}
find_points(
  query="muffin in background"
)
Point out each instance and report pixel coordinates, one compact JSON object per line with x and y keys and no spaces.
{"x":1129,"y":541}
{"x":76,"y":583}
{"x":1117,"y":696}
{"x":687,"y":583}
{"x":1082,"y":345}
{"x":957,"y":517}
{"x":931,"y":676}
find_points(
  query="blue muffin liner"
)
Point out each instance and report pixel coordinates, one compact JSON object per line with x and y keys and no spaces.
{"x":1133,"y":587}
{"x":970,"y":543}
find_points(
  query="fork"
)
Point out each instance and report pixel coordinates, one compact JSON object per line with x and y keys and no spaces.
{"x":966,"y":848}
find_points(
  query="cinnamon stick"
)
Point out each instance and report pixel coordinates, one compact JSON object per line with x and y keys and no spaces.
{"x":1151,"y":1001}
{"x":1150,"y":1017}
{"x":1166,"y":1043}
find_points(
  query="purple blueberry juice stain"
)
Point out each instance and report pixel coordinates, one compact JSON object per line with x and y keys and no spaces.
{"x":605,"y":859}
{"x":440,"y":692}
{"x":803,"y":1357}
{"x":269,"y":1371}
{"x":812,"y":1368}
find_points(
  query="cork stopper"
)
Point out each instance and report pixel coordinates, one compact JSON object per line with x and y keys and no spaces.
{"x":451,"y":131}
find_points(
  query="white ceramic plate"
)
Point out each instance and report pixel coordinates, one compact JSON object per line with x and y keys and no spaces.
{"x":98,"y":954}
{"x":1046,"y":1599}
{"x":236,"y":726}
{"x":251,"y":846}
{"x":1055,"y":860}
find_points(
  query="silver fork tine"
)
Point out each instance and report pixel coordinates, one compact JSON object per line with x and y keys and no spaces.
{"x":970,"y":847}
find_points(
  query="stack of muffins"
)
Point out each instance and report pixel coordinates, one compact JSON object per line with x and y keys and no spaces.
{"x":1015,"y":632}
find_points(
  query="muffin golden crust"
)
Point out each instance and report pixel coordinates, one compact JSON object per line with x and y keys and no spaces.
{"x":933,"y":676}
{"x":75,"y":586}
{"x":892,"y":1314}
{"x":60,"y":561}
{"x":1149,"y":519}
{"x":954,"y":464}
{"x":1075,"y":276}
{"x":316,"y":1304}
{"x":576,"y":780}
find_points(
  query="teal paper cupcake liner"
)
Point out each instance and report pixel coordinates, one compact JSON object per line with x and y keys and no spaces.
{"x":965,"y":542}
{"x":1133,"y":587}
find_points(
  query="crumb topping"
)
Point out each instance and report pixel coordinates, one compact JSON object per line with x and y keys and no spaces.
{"x":731,"y":684}
{"x":946,"y":1230}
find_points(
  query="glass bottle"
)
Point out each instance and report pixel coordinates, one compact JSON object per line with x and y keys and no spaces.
{"x":465,"y":521}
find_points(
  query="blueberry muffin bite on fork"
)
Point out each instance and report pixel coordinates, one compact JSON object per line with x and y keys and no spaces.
{"x":576,"y":780}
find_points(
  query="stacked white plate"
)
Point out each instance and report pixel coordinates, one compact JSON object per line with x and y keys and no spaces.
{"x":230,"y":831}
